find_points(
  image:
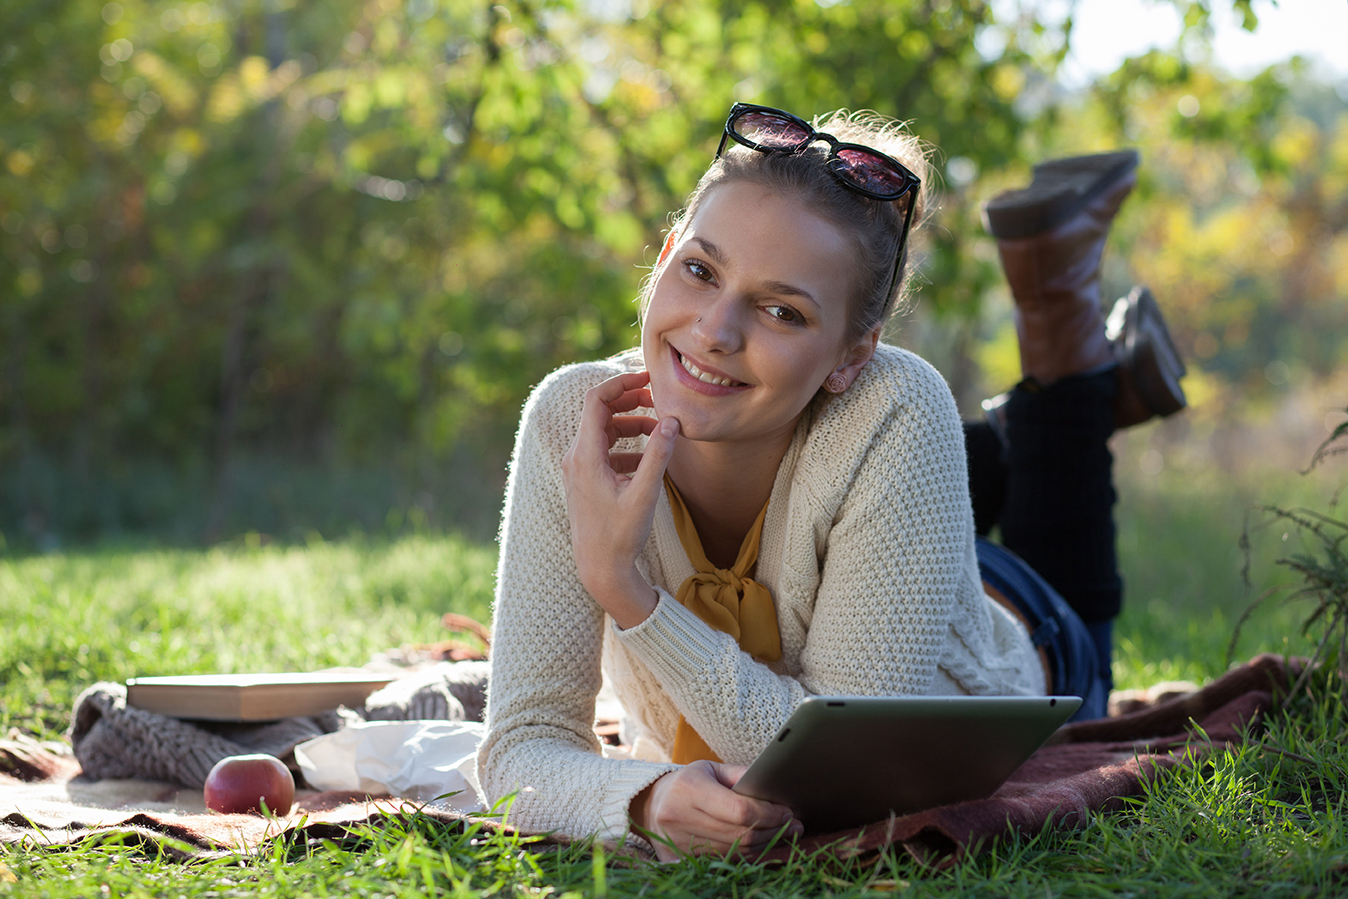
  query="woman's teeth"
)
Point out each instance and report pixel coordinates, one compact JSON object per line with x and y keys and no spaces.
{"x":702,"y":375}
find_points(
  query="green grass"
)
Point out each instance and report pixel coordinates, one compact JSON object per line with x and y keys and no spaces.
{"x":1182,"y":560}
{"x":69,"y":619}
{"x":1264,"y":820}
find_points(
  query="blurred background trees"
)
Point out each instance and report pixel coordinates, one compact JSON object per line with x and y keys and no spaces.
{"x":293,"y":266}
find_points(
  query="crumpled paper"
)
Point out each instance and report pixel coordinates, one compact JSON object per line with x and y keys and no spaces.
{"x":421,"y":760}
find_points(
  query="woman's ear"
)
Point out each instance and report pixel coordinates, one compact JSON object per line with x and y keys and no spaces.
{"x":856,"y":357}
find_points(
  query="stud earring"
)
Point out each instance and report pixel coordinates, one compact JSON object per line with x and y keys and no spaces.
{"x":835,"y":383}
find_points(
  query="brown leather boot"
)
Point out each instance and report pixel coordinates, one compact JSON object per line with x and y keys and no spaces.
{"x":1051,"y":236}
{"x":1150,"y":366}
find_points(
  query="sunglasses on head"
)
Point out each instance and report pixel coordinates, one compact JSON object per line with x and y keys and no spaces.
{"x":859,"y":168}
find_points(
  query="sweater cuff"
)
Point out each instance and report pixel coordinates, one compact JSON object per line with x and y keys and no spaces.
{"x":674,"y":643}
{"x":614,"y":815}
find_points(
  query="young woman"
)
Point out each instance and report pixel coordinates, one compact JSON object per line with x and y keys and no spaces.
{"x":792,"y":517}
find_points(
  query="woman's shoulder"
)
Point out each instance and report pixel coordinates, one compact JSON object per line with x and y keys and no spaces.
{"x":895,"y":383}
{"x":562,"y":392}
{"x":553,"y":411}
{"x":897,"y":413}
{"x":897,"y":376}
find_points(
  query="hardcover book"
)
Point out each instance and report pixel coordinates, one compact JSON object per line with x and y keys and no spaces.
{"x":251,"y":697}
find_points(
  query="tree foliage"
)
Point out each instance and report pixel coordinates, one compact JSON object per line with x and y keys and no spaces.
{"x":342,"y":230}
{"x":1243,"y":224}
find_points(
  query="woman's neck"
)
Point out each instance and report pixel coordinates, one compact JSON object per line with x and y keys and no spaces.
{"x":725,"y":486}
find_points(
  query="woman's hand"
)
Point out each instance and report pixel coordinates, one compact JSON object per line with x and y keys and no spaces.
{"x":610,"y":497}
{"x":694,"y":809}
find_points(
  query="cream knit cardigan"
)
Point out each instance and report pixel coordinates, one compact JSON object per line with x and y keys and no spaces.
{"x":867,"y":548}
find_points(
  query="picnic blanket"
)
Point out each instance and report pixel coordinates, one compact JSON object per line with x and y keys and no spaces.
{"x":1087,"y":768}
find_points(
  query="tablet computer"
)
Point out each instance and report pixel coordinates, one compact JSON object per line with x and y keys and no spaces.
{"x":844,"y":761}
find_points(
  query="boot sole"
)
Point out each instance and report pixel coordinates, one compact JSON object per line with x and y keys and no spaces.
{"x":1059,"y":190}
{"x":1150,"y":363}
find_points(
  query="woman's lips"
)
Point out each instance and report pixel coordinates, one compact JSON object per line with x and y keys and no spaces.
{"x":705,"y":380}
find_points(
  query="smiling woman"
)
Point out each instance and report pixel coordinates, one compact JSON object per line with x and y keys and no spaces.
{"x":764,"y":502}
{"x":747,"y":318}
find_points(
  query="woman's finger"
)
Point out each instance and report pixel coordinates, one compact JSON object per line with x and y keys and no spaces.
{"x":631,"y":425}
{"x":745,"y":814}
{"x":728,"y":775}
{"x":696,"y":810}
{"x":602,"y":407}
{"x":756,"y":841}
{"x":615,"y":388}
{"x":623,"y":393}
{"x":603,"y":412}
{"x":772,"y":823}
{"x":757,"y":816}
{"x":595,"y":434}
{"x":632,"y":399}
{"x":659,"y":448}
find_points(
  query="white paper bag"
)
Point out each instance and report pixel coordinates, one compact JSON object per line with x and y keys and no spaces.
{"x":411,"y":759}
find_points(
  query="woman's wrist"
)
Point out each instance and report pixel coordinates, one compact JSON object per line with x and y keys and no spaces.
{"x":636,"y":811}
{"x":626,"y":597}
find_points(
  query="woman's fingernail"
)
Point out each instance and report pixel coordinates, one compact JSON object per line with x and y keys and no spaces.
{"x":670,"y":427}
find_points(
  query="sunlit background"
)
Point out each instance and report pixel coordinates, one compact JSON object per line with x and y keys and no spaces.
{"x":290,"y":268}
{"x":1106,"y":32}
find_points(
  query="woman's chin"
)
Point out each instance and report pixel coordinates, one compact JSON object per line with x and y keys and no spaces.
{"x":692,"y":426}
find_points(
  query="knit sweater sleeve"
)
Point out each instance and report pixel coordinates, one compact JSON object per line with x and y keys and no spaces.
{"x":547,"y":635}
{"x":882,"y":481}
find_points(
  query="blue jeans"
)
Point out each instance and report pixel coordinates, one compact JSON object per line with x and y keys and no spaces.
{"x":1077,"y":654}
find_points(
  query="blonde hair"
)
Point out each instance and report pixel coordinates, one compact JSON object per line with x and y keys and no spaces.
{"x":875,"y":227}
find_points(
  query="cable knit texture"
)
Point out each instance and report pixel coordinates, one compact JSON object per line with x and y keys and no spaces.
{"x":112,"y":739}
{"x":868,"y":551}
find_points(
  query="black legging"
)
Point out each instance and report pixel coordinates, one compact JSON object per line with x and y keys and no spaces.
{"x":1050,"y":489}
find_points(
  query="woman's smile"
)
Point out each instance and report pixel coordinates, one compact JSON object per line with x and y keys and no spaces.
{"x":748,"y":315}
{"x":709,"y":380}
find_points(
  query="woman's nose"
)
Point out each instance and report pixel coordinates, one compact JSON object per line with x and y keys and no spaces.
{"x":719,"y":326}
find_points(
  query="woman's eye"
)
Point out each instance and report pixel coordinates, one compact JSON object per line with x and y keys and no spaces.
{"x":698,"y":270}
{"x":785,"y":314}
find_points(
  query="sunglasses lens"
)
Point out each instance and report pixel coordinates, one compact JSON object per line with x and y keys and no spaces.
{"x":872,"y":173}
{"x":769,"y":130}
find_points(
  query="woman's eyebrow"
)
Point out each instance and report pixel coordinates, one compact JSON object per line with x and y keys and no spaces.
{"x":782,"y":288}
{"x":777,"y":287}
{"x":710,"y":249}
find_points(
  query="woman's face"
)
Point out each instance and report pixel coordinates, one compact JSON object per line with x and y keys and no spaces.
{"x":748,"y":316}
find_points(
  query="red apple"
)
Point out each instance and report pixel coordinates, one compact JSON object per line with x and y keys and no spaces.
{"x":242,"y":783}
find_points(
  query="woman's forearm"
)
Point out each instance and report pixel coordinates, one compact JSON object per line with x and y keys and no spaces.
{"x":547,"y":641}
{"x":611,"y":496}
